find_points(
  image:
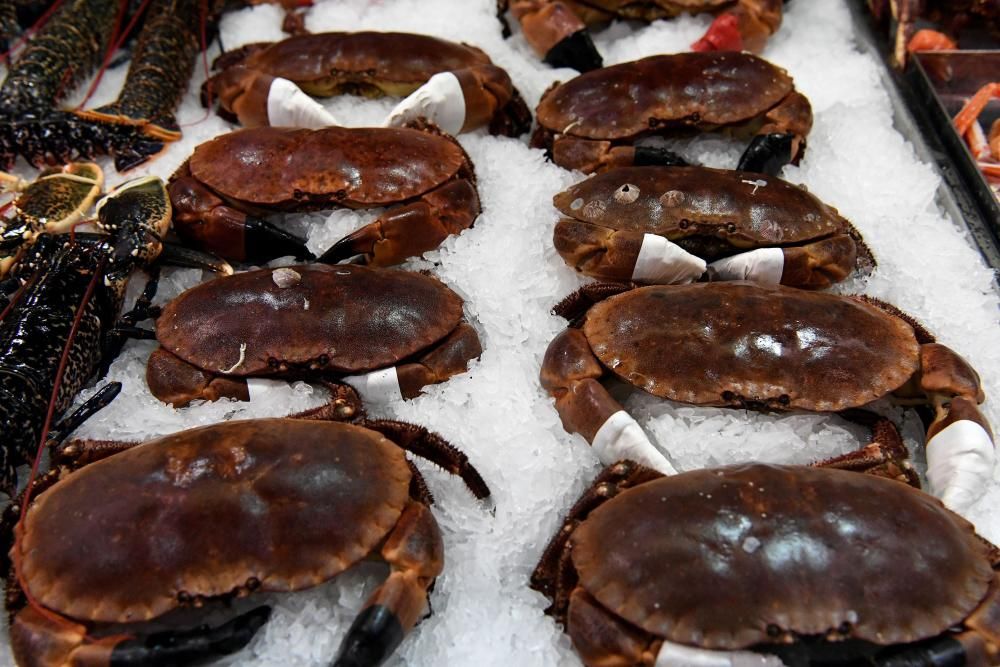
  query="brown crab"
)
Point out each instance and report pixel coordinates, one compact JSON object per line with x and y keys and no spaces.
{"x":557,"y":29}
{"x":227,"y":510}
{"x":770,"y":565}
{"x":371,"y":64}
{"x":219,"y":191}
{"x":379,"y":329}
{"x":591,"y":122}
{"x":741,"y":344}
{"x":616,"y":221}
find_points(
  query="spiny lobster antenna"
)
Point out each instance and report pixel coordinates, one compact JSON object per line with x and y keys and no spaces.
{"x":32,"y":29}
{"x":117,"y":39}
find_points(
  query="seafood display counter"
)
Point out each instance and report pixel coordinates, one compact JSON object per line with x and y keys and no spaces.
{"x":455,"y":499}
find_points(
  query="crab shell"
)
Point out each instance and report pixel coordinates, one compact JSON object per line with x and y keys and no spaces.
{"x":723,"y":558}
{"x":710,"y":212}
{"x":283,"y":504}
{"x":323,"y":64}
{"x":341,"y":319}
{"x":649,"y":10}
{"x":737,"y":343}
{"x":658,"y":93}
{"x":297,"y":169}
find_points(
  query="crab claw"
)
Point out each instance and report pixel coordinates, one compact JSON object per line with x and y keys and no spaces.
{"x":768,"y":153}
{"x":466,"y":99}
{"x":722,"y":35}
{"x":557,"y":34}
{"x":256,"y":99}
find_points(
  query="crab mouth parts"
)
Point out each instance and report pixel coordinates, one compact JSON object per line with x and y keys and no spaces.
{"x":779,"y":403}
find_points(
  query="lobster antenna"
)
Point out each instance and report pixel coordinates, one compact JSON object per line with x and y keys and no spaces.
{"x":202,"y":37}
{"x":31,"y":30}
{"x":60,"y":371}
{"x":118,"y":39}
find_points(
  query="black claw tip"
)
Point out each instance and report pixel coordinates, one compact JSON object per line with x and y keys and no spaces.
{"x":373,"y":636}
{"x":647,"y":156}
{"x":338,"y":252}
{"x":767,"y":154}
{"x":265,"y":242}
{"x":576,"y":51}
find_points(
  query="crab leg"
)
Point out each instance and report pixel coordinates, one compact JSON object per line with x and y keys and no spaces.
{"x":746,"y":27}
{"x":449,"y":357}
{"x":557,"y":34}
{"x":571,"y":374}
{"x":38,"y":639}
{"x":464,"y":100}
{"x":413,"y":229}
{"x":960,"y":450}
{"x":415,"y":553}
{"x":782,"y":138}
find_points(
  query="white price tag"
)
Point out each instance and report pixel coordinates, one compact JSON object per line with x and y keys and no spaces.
{"x":381,"y":386}
{"x":960,"y":460}
{"x":288,"y":106}
{"x":621,"y":437}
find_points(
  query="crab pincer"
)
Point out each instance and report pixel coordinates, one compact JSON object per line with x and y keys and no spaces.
{"x":219,"y":193}
{"x":765,"y":348}
{"x":764,"y":565}
{"x":388,"y":333}
{"x":455,"y":86}
{"x":593,"y":121}
{"x":272,"y":505}
{"x":664,"y":224}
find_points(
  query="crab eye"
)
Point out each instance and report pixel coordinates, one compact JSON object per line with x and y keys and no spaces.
{"x":626,"y":194}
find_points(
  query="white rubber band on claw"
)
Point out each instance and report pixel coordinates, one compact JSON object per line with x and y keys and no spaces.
{"x":259,"y":387}
{"x":440,"y":101}
{"x":763,"y":265}
{"x":621,"y":437}
{"x":380,"y":386}
{"x":288,"y":106}
{"x":663,"y":262}
{"x":678,"y":655}
{"x":960,"y":461}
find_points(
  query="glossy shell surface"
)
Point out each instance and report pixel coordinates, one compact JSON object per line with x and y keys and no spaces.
{"x":375,"y":56}
{"x":713,"y":557}
{"x":732,"y":343}
{"x":289,"y":502}
{"x":343,"y":318}
{"x":741,"y":208}
{"x":695,"y":89}
{"x":339,"y":166}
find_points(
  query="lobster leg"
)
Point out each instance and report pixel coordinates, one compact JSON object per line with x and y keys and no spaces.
{"x":202,"y":220}
{"x":415,"y":553}
{"x":413,"y":229}
{"x":38,"y":639}
{"x":571,"y":374}
{"x":746,"y":27}
{"x":960,"y":450}
{"x":782,"y":138}
{"x":449,"y":357}
{"x":557,"y":34}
